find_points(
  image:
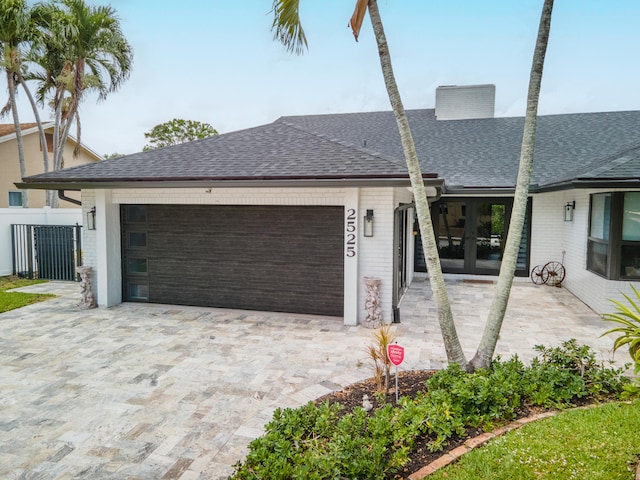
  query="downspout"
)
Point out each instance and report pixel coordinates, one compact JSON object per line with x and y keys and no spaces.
{"x":62,"y":196}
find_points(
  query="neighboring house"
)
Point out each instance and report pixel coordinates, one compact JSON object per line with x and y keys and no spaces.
{"x":10,"y":196}
{"x":273,"y":217}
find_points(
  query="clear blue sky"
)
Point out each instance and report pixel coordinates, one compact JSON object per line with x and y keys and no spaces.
{"x":215,"y":61}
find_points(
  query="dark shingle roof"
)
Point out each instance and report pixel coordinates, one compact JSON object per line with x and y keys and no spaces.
{"x":276,"y":150}
{"x":467,"y":153}
{"x":485,"y":152}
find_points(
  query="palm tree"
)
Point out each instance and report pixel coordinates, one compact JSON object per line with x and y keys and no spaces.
{"x":82,"y":50}
{"x":487,"y":346}
{"x":291,"y":34}
{"x":289,"y":31}
{"x":15,"y":31}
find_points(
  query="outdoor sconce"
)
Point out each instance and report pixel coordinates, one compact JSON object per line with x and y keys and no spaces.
{"x":568,"y":211}
{"x":368,"y":224}
{"x":91,"y":219}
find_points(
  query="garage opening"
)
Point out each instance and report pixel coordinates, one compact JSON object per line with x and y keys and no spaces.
{"x":270,"y":258}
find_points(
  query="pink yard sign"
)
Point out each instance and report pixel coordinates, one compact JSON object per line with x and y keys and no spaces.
{"x":395,"y":354}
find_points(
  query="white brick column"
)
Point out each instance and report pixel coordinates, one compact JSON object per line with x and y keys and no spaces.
{"x":352,"y":239}
{"x":108,"y":259}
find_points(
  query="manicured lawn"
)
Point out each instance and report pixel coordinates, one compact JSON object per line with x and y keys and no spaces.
{"x":596,"y":443}
{"x":13,"y":300}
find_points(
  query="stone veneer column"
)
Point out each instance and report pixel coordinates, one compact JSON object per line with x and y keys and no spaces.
{"x":88,"y":300}
{"x":372,"y":302}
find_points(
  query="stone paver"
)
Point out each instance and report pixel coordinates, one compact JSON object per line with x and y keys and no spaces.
{"x":155,"y":391}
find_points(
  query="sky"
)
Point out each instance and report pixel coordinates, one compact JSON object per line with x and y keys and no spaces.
{"x":216,"y":61}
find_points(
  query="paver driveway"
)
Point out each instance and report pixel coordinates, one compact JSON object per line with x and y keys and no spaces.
{"x":150,"y":391}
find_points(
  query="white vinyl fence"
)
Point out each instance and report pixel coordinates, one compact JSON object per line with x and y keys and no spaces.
{"x":30,"y":216}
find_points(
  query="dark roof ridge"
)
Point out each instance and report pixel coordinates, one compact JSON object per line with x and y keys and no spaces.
{"x":496,"y":117}
{"x":600,"y":164}
{"x":343,"y":143}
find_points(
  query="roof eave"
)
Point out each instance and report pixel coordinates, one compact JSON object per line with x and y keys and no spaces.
{"x":451,"y":190}
{"x":227,"y":183}
{"x":581,"y":183}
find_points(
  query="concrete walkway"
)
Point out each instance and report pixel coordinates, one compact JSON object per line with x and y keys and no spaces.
{"x":164,"y":392}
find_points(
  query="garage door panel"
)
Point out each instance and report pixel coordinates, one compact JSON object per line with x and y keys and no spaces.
{"x":248,"y":257}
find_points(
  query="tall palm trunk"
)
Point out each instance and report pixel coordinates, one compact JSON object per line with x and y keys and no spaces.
{"x":487,"y":346}
{"x":16,"y":121}
{"x":453,"y":348}
{"x":43,"y":138}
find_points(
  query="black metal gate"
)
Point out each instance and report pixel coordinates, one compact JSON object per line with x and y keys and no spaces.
{"x":49,"y":252}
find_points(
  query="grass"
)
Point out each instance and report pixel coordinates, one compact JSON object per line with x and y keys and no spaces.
{"x":596,"y":443}
{"x":13,"y":300}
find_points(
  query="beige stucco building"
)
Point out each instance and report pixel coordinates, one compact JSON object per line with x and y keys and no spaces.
{"x":10,"y":195}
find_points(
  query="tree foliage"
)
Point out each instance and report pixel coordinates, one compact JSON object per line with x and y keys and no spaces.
{"x":67,"y":48}
{"x":177,"y":131}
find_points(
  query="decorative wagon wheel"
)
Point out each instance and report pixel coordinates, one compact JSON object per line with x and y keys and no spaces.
{"x":539,"y":275}
{"x":554,"y":273}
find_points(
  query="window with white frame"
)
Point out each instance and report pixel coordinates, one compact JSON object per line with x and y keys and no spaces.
{"x":613,"y":249}
{"x":15,"y":199}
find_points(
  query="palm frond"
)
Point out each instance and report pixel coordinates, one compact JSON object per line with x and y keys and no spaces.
{"x":287,"y":27}
{"x":628,"y":319}
{"x":6,"y":109}
{"x":358,"y":16}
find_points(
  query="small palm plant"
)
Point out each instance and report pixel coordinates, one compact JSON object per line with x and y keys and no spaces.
{"x":383,"y":336}
{"x":628,"y":319}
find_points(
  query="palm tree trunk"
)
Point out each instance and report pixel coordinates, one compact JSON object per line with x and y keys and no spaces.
{"x":43,"y":138}
{"x":487,"y":346}
{"x":16,"y":121}
{"x":453,"y":348}
{"x":57,"y":150}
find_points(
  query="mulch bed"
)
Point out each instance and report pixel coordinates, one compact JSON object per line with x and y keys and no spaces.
{"x":409,"y":384}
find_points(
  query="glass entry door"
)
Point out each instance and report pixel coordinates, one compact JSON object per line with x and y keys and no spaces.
{"x":471,"y":234}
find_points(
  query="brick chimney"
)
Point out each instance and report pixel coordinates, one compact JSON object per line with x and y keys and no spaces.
{"x":462,"y":102}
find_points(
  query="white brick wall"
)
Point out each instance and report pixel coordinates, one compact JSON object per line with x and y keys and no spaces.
{"x":89,"y":257}
{"x":551,"y":236}
{"x":231,"y":196}
{"x":374,"y":254}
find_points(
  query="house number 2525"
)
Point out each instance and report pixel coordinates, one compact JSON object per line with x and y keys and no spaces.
{"x":351,"y":232}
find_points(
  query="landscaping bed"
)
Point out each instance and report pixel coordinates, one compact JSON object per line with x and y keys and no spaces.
{"x":335,"y":437}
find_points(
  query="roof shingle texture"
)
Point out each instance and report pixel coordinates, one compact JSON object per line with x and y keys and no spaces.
{"x":276,"y":150}
{"x":469,"y":153}
{"x":9,"y":128}
{"x":486,"y":152}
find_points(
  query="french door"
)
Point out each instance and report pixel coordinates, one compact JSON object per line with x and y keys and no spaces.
{"x":471,"y":233}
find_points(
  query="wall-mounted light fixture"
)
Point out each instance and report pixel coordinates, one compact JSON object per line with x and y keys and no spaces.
{"x":568,"y":211}
{"x":91,"y":219}
{"x":368,"y":224}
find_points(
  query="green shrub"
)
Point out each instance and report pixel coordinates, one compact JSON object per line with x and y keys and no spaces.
{"x":317,"y":442}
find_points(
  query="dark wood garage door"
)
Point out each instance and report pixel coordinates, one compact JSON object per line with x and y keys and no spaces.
{"x":272,"y":258}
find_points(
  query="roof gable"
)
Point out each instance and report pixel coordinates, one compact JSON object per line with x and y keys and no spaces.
{"x":8,"y":133}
